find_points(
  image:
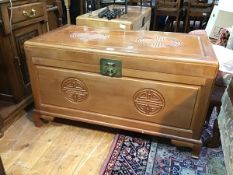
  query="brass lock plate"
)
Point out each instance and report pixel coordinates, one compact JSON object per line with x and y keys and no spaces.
{"x":111,"y":68}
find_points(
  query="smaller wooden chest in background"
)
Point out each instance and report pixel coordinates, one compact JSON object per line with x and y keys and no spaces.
{"x":138,"y":18}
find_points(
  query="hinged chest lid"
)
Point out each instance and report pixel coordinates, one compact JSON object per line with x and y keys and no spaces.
{"x":152,"y":51}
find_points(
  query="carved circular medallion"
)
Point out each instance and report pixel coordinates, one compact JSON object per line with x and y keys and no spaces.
{"x":74,"y":90}
{"x":148,"y":101}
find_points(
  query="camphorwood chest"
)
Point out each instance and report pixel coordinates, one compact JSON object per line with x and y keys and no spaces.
{"x":149,"y":82}
{"x":137,"y":18}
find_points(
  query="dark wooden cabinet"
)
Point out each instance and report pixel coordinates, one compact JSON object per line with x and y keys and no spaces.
{"x":22,"y":35}
{"x":23,"y":20}
{"x":29,"y":19}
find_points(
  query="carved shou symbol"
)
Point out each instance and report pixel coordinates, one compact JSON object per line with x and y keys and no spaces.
{"x":74,"y":90}
{"x":149,"y":101}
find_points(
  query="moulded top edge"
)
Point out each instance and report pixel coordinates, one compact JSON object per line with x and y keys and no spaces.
{"x":148,"y":43}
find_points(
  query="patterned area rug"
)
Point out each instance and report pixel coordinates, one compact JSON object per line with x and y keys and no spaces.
{"x":143,"y":155}
{"x":140,"y":156}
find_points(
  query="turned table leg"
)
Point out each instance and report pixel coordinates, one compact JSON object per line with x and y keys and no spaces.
{"x":196,"y":147}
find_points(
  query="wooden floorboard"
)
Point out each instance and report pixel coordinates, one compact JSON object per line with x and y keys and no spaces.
{"x":54,"y":149}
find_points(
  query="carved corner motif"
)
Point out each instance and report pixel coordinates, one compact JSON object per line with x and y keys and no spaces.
{"x":74,"y":90}
{"x":149,"y":101}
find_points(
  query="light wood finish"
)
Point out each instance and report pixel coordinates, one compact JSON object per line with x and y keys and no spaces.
{"x":54,"y":149}
{"x":138,"y":18}
{"x":184,"y":104}
{"x":177,"y":86}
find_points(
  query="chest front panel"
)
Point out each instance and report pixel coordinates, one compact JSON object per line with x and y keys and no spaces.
{"x":151,"y":101}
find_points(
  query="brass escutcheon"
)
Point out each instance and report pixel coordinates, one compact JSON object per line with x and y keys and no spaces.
{"x":111,"y":68}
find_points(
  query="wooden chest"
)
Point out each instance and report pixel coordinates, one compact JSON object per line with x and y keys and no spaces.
{"x":148,"y":82}
{"x":138,"y":18}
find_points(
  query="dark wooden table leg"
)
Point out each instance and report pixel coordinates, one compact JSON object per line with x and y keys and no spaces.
{"x":2,"y":170}
{"x":215,"y":140}
{"x":1,"y":127}
{"x":215,"y":101}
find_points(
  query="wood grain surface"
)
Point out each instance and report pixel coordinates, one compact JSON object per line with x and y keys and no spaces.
{"x":53,"y":149}
{"x":164,"y":90}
